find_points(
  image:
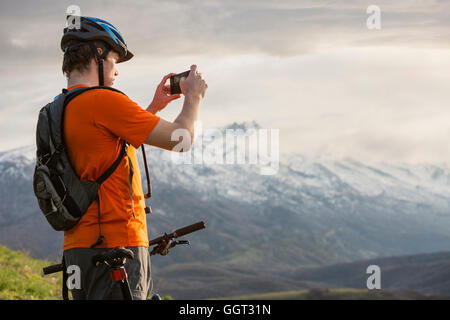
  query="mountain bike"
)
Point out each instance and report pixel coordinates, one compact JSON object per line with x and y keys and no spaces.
{"x":116,"y":259}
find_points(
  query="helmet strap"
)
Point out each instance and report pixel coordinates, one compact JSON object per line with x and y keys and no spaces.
{"x":100,"y":59}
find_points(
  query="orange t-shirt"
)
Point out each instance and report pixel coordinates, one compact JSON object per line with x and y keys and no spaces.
{"x":95,"y":124}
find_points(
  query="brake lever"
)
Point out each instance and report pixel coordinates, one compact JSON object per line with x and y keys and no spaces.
{"x":163,"y":249}
{"x":170,"y":244}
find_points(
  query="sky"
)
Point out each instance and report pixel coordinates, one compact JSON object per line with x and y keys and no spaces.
{"x":312,"y":69}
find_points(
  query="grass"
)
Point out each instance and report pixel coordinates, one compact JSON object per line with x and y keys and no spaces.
{"x":21,"y":278}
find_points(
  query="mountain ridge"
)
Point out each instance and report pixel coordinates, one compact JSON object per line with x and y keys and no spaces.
{"x":313,"y":212}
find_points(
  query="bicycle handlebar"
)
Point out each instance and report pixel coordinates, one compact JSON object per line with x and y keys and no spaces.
{"x":124,"y":253}
{"x":189,"y":229}
{"x":53,"y":269}
{"x":178,"y":233}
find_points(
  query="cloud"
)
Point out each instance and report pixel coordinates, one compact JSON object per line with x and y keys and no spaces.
{"x":31,"y":30}
{"x":309,"y":68}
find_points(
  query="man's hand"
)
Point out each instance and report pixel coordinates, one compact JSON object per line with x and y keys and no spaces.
{"x":193,"y":86}
{"x":162,"y":96}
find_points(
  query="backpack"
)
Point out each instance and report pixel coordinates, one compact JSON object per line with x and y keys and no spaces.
{"x":62,"y":197}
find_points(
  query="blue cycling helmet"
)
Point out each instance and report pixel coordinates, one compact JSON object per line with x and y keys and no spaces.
{"x":92,"y":29}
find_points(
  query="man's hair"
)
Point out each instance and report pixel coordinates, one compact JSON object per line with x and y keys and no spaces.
{"x":80,"y":58}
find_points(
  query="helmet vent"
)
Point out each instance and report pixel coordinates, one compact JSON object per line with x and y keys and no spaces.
{"x":96,"y":26}
{"x":118,"y":36}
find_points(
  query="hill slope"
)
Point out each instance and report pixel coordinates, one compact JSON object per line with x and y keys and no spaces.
{"x":409,"y":277}
{"x":428,"y":273}
{"x":21,"y":278}
{"x":340,"y":294}
{"x":403,"y":277}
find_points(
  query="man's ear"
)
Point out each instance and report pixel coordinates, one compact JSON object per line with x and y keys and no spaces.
{"x":100,"y":52}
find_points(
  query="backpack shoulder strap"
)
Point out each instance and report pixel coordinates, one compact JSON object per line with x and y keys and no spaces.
{"x":68,"y":96}
{"x":114,"y":166}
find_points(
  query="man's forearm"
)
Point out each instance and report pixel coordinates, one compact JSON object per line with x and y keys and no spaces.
{"x":152,"y":109}
{"x":189,"y":113}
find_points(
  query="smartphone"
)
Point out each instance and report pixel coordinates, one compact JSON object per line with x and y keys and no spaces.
{"x":175,"y":82}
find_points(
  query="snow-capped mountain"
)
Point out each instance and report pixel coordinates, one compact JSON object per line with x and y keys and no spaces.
{"x":303,"y":179}
{"x":311,"y":211}
{"x":17,"y":162}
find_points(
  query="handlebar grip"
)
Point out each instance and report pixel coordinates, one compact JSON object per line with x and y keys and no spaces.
{"x":53,"y":269}
{"x":193,"y":227}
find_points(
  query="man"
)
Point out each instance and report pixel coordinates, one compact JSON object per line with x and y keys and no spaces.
{"x":96,"y":123}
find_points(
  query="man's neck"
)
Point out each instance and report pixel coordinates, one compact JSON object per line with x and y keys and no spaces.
{"x":77,"y":79}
